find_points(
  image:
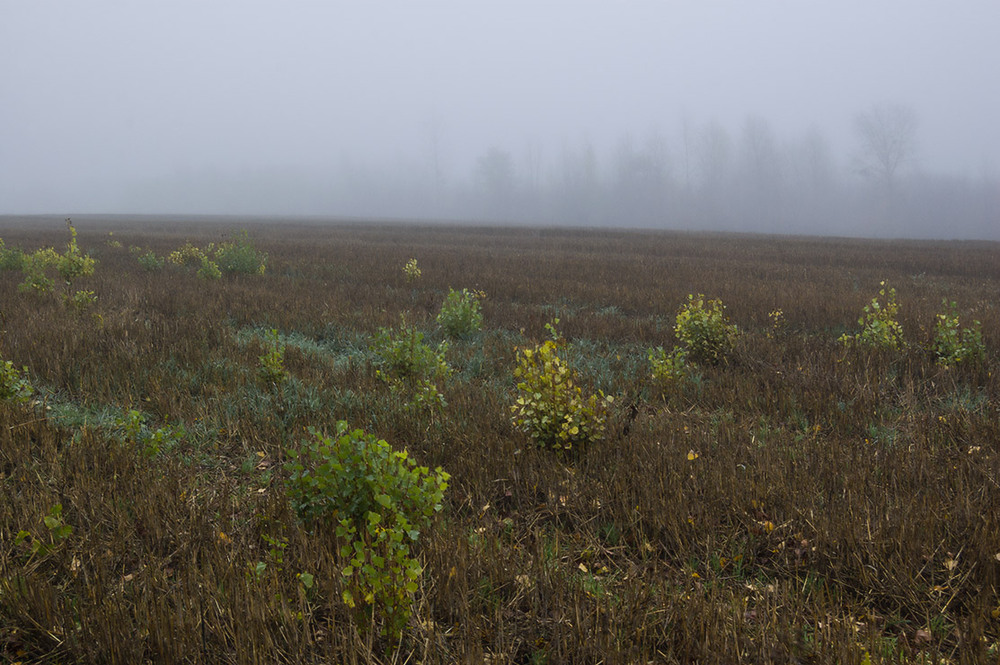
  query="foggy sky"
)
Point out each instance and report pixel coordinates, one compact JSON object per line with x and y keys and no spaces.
{"x":101,"y":99}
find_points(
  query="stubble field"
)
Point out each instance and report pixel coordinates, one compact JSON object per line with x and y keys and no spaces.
{"x":801,"y":500}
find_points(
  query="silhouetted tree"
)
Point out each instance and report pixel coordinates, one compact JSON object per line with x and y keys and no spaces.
{"x":887,"y":140}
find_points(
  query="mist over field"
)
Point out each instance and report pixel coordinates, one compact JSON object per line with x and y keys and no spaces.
{"x":851,"y":118}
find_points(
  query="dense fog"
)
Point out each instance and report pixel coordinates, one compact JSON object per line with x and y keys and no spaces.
{"x":850,"y":118}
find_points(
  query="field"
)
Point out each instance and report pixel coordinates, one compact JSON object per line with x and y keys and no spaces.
{"x":801,"y":500}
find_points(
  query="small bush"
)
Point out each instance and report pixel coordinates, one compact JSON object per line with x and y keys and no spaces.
{"x":550,"y":407}
{"x":670,"y":370}
{"x":880,"y":328}
{"x":188,"y":255}
{"x":411,"y":271}
{"x":149,"y":261}
{"x":241,"y":256}
{"x":272,"y":362}
{"x":954,"y":344}
{"x":13,"y":386}
{"x":460,"y":315}
{"x":702,"y":329}
{"x":379,"y":500}
{"x":209,"y":269}
{"x":73,"y":264}
{"x":11,"y":258}
{"x":411,"y":366}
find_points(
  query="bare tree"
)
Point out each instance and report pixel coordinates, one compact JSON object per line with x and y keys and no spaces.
{"x":887,"y":137}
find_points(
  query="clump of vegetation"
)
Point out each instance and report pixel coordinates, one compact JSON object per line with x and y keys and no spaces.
{"x":241,"y":256}
{"x":272,"y":362}
{"x":702,"y":328}
{"x":11,"y":258}
{"x":411,"y":271}
{"x":880,"y":328}
{"x":13,"y":384}
{"x":412,"y":367}
{"x":670,"y":370}
{"x":70,"y":266}
{"x":550,"y":406}
{"x":954,"y":343}
{"x":461,"y":315}
{"x":379,"y":500}
{"x":189,"y":255}
{"x":148,"y":259}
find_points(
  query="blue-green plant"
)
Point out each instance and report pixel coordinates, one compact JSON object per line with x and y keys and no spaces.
{"x":11,"y":258}
{"x":379,"y":500}
{"x":954,"y":343}
{"x":461,"y":315}
{"x":148,"y":259}
{"x":550,"y":407}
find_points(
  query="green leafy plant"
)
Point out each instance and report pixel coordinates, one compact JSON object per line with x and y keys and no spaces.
{"x":461,"y":315}
{"x":149,"y":261}
{"x":241,"y":256}
{"x":35,"y":267}
{"x":412,"y":367}
{"x":550,"y":407}
{"x":954,"y":343}
{"x":272,"y":362}
{"x":702,"y":328}
{"x":880,"y":328}
{"x":379,"y":500}
{"x":13,"y":386}
{"x":670,"y":370}
{"x":150,"y":442}
{"x":11,"y":258}
{"x":70,"y":266}
{"x":411,"y":271}
{"x":81,"y":300}
{"x":58,"y":532}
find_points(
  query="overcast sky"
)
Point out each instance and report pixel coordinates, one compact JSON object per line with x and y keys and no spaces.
{"x":96,"y":95}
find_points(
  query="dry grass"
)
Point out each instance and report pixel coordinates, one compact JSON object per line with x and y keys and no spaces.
{"x":800,"y":503}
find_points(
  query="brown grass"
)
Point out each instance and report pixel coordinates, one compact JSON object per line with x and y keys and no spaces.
{"x":839,"y":502}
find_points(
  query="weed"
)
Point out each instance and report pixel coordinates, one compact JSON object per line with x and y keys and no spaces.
{"x":702,"y":329}
{"x":550,"y":407}
{"x":953,"y":343}
{"x":379,"y":500}
{"x":461,"y":316}
{"x":880,"y":328}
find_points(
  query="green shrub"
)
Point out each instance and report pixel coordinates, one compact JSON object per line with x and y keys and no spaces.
{"x":879,"y":327}
{"x":70,"y":266}
{"x":272,"y":362}
{"x":11,"y":258}
{"x":411,"y":366}
{"x":13,"y":386}
{"x":35,"y":267}
{"x":209,"y":269}
{"x":953,"y":343}
{"x":460,"y":315}
{"x":241,"y":256}
{"x":670,"y":370}
{"x":379,"y":500}
{"x":702,"y":329}
{"x":550,"y":407}
{"x":189,"y":255}
{"x":411,"y":271}
{"x":149,"y":260}
{"x":73,"y":264}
